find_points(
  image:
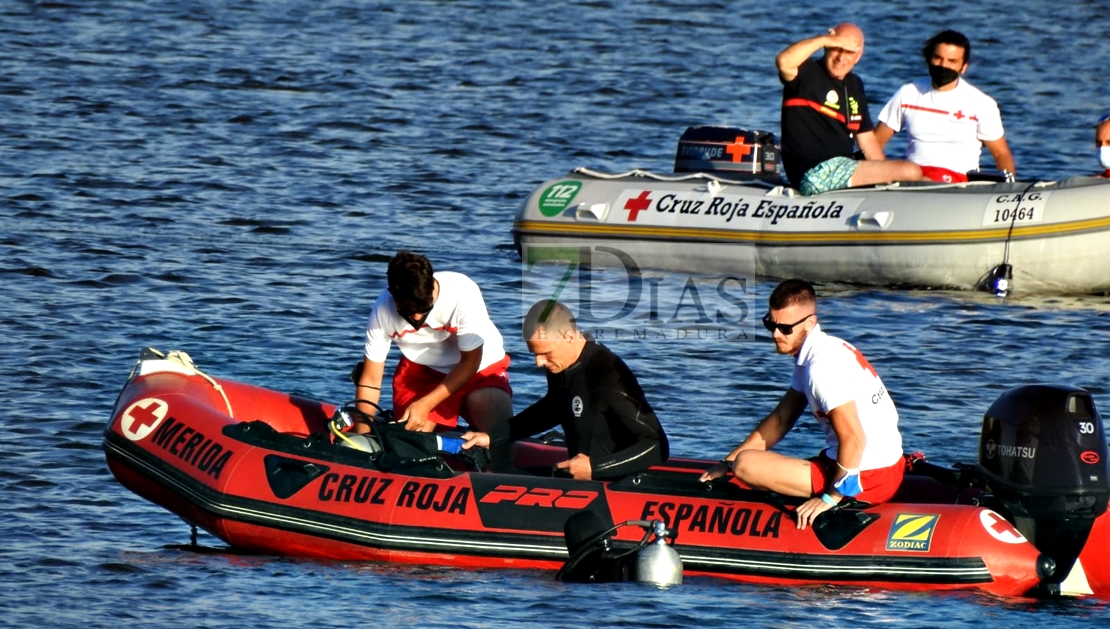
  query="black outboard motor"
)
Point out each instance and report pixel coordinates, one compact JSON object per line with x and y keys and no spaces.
{"x":1043,"y":453}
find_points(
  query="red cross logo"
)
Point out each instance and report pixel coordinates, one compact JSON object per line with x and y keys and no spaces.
{"x":141,"y":418}
{"x":1000,"y":528}
{"x":637,"y":205}
{"x":862,"y":361}
{"x":959,"y":115}
{"x":738,"y":150}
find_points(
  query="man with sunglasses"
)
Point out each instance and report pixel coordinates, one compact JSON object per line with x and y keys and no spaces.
{"x":863,"y":455}
{"x":453,"y":359}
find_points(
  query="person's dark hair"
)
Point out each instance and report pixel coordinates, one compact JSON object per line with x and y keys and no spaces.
{"x":947,"y":37}
{"x":410,"y":282}
{"x":550,"y":316}
{"x":792,"y":292}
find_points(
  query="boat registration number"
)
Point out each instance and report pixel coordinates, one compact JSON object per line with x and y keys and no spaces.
{"x":1016,"y":208}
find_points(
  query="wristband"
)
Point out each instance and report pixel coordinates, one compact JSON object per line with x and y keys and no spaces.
{"x":829,"y":500}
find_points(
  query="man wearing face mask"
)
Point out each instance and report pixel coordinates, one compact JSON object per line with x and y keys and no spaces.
{"x":948,"y":120}
{"x":1102,"y":141}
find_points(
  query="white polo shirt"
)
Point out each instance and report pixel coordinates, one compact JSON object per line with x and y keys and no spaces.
{"x":831,"y":372}
{"x":457,"y":322}
{"x":946,"y":129}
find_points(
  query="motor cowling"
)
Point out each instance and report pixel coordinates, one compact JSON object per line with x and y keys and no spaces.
{"x":727,"y":150}
{"x":1042,"y":451}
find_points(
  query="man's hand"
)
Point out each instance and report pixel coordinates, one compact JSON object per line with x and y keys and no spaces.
{"x":579,"y":467}
{"x":838,"y":40}
{"x":472,"y":438}
{"x":719,"y":469}
{"x":416,"y":419}
{"x":809,"y":511}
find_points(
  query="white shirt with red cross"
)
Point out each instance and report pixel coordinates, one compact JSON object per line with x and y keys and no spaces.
{"x":457,"y":322}
{"x":831,"y":373}
{"x":946,"y":129}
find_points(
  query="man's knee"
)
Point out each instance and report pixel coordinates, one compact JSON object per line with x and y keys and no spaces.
{"x":487,"y":407}
{"x":886,"y":171}
{"x":746,"y":469}
{"x":908,"y":171}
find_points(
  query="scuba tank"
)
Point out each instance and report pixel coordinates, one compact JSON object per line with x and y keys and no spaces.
{"x":594,"y":559}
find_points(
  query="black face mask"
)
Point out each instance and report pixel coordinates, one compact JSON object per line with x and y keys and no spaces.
{"x":942,"y":76}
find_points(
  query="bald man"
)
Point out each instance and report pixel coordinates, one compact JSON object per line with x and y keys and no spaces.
{"x":825,"y":116}
{"x":611,"y":430}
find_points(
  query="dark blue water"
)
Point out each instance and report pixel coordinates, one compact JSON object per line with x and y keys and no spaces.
{"x":228,"y":179}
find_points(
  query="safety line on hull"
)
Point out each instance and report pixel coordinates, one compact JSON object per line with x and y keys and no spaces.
{"x":979,"y":572}
{"x":411,"y":543}
{"x":418,"y":543}
{"x":537,"y":228}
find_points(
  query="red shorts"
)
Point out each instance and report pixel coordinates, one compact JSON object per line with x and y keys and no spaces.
{"x":878,"y":485}
{"x":943,"y":175}
{"x":412,"y":381}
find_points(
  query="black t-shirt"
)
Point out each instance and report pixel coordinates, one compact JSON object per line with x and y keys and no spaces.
{"x":814,"y":125}
{"x":603,"y":412}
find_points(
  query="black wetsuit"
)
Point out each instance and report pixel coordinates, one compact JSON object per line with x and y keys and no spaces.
{"x":603,"y":413}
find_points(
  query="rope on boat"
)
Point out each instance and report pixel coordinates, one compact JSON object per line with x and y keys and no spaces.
{"x":186,"y":361}
{"x":1013,"y":220}
{"x":647,"y":174}
{"x":997,"y":280}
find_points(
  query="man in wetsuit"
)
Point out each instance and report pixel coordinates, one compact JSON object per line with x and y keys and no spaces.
{"x":610,"y":428}
{"x":824,"y":114}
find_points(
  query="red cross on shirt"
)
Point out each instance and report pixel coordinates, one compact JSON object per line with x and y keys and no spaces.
{"x":637,"y":205}
{"x":862,"y":361}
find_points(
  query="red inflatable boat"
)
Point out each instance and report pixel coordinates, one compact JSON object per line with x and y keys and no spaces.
{"x":262,"y":471}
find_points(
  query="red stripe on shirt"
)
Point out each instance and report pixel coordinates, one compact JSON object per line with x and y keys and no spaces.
{"x":935,"y":111}
{"x":821,"y":109}
{"x":443,"y":328}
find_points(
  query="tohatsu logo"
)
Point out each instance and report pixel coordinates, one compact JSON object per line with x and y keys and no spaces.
{"x":1008,"y":451}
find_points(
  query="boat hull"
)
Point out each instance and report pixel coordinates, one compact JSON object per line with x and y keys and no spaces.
{"x":275,"y":485}
{"x":919,"y":235}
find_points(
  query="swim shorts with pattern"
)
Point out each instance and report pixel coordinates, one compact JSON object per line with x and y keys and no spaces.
{"x":831,"y":174}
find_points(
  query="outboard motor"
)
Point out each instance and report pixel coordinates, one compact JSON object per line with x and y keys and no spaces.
{"x":728,"y":151}
{"x":1043,"y":453}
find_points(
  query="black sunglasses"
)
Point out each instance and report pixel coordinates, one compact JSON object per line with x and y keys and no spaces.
{"x":786,"y":328}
